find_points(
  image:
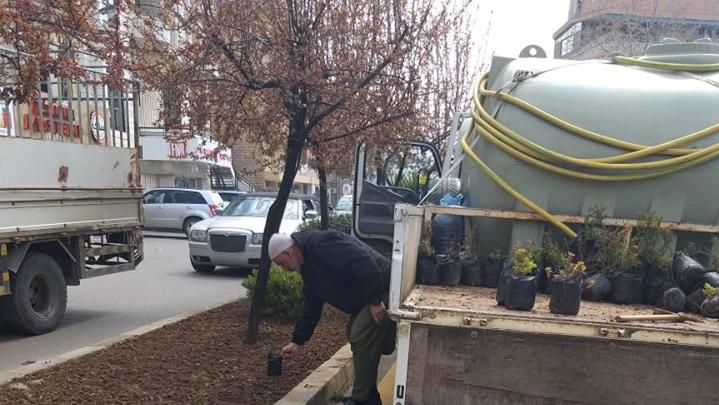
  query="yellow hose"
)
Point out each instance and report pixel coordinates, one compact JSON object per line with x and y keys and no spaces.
{"x":527,"y":151}
{"x":679,"y":67}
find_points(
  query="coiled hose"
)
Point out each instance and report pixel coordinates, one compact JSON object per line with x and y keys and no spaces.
{"x":619,"y":166}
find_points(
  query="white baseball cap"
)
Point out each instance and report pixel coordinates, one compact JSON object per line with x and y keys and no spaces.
{"x":279,"y":242}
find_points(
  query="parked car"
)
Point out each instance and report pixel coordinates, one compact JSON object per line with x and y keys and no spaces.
{"x":235,"y":237}
{"x":230,"y":195}
{"x":344,"y":205}
{"x":178,"y":209}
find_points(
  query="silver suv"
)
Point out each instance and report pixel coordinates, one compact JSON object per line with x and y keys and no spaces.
{"x":179,"y":209}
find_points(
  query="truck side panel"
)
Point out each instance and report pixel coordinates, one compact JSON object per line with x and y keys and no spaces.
{"x":61,"y":187}
{"x":468,"y":366}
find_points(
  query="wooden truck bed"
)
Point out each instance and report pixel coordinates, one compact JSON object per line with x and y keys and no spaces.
{"x":464,"y":349}
{"x":477,"y":301}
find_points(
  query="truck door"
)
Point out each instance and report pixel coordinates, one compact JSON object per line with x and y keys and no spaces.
{"x":385,"y":177}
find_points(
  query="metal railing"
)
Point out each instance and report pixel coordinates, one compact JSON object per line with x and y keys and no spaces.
{"x":83,"y":111}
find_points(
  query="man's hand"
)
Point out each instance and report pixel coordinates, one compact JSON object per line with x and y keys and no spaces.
{"x":378,"y":311}
{"x":290,"y":350}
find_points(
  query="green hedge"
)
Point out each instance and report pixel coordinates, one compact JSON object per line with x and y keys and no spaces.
{"x":284,"y":292}
{"x":340,"y":222}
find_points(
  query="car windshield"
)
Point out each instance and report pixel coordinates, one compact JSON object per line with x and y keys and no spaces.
{"x":344,"y":204}
{"x":255,"y":206}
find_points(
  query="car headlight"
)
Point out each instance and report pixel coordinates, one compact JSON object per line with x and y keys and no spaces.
{"x":198,"y":235}
{"x":257,"y":238}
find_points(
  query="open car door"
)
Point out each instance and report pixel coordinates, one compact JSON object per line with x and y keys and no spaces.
{"x":385,"y":177}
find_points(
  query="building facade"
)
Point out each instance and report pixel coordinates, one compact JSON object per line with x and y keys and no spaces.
{"x":598,"y":28}
{"x":248,"y":163}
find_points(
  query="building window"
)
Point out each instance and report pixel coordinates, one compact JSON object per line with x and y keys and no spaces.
{"x":187,"y":182}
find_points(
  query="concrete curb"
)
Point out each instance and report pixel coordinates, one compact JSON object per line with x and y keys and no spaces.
{"x":22,"y":371}
{"x":326,"y":380}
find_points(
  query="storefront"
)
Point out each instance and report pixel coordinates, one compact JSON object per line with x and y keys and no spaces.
{"x":187,"y":163}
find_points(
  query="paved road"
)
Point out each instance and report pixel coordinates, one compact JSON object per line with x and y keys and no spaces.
{"x":164,"y":285}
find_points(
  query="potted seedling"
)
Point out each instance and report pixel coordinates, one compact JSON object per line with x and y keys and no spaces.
{"x":710,"y":306}
{"x":522,"y":283}
{"x":618,"y":259}
{"x":450,"y":268}
{"x":426,"y":267}
{"x":566,"y":286}
{"x":551,"y":255}
{"x":471,"y":271}
{"x":492,"y":268}
{"x":653,"y":243}
{"x":274,"y":363}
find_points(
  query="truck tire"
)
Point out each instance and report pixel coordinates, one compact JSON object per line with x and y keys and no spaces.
{"x":39,"y":296}
{"x":203,"y":268}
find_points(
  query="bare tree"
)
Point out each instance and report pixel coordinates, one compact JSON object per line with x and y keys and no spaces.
{"x":284,"y":73}
{"x":42,"y":38}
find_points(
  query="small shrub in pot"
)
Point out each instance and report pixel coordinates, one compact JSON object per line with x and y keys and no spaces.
{"x":566,"y":286}
{"x":274,"y":363}
{"x":471,"y":270}
{"x":618,"y":259}
{"x":427,"y":269}
{"x":710,"y":306}
{"x":492,"y":268}
{"x":522,"y":283}
{"x":552,"y":255}
{"x":653,"y":244}
{"x":450,"y":269}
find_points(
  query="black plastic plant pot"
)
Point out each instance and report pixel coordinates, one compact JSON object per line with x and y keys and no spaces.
{"x":521,"y":292}
{"x":274,"y":364}
{"x":450,"y":272}
{"x":502,"y":282}
{"x":427,"y":272}
{"x":628,"y":288}
{"x":566,"y":295}
{"x":695,"y":300}
{"x":686,"y":272}
{"x":471,"y":272}
{"x":710,"y":308}
{"x":544,"y":283}
{"x":492,"y":268}
{"x":596,"y":287}
{"x":653,"y":286}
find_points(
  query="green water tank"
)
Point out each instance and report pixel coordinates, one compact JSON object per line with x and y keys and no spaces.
{"x":640,"y":105}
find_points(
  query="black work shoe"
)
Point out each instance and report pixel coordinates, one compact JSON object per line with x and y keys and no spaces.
{"x":374,"y":399}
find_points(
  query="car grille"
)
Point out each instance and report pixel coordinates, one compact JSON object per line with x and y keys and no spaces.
{"x":228,"y":243}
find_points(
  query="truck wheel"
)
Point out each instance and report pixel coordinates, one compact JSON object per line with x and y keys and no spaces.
{"x":203,"y":268}
{"x":39,"y":296}
{"x":188,"y":224}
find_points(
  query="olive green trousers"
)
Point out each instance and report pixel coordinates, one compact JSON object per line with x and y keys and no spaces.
{"x":369,"y":340}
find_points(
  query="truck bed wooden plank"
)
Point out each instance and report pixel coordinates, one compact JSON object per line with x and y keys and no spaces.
{"x":466,"y":366}
{"x":477,"y":301}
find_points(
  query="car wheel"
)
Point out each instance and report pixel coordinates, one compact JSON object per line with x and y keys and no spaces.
{"x":39,"y":296}
{"x":187,"y":225}
{"x":203,"y":268}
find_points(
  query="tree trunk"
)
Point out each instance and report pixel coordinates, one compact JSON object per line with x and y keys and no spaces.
{"x":295,"y":144}
{"x":324,"y":204}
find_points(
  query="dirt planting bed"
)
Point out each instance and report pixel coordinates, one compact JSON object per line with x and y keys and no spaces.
{"x":198,"y":360}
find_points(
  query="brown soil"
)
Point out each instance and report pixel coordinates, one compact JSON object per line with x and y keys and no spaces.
{"x":199,"y":360}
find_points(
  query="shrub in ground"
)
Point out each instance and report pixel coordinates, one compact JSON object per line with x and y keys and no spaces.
{"x":338,"y":222}
{"x":284,"y":292}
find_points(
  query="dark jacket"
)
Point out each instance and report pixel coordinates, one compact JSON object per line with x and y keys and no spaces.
{"x":341,"y":270}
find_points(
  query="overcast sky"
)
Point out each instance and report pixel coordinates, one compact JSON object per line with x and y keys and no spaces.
{"x":518,"y":23}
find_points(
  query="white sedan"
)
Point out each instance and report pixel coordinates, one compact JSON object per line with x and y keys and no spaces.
{"x":234,"y":238}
